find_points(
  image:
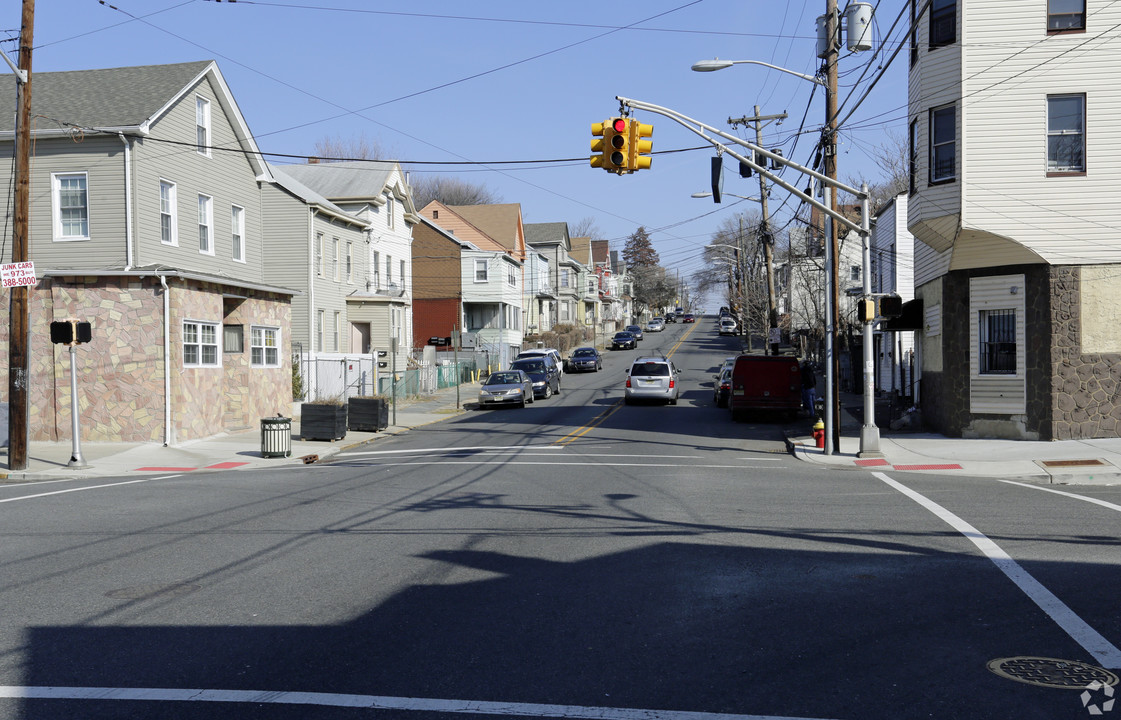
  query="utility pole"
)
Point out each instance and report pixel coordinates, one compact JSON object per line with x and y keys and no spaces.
{"x":765,"y":235}
{"x":829,"y":150}
{"x":19,"y":316}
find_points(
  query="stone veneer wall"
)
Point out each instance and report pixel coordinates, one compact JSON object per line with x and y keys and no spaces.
{"x":1086,"y":402}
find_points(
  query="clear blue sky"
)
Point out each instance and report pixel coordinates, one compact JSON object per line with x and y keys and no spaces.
{"x":436,"y":80}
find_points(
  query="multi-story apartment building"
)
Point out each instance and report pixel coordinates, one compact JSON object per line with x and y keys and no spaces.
{"x":146,"y":220}
{"x":552,"y":241}
{"x":1014,"y":180}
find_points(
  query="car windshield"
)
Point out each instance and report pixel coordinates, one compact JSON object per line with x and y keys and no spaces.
{"x":650,"y":369}
{"x":532,"y":366}
{"x":503,"y":378}
{"x":622,"y":335}
{"x":632,"y":328}
{"x":584,"y":352}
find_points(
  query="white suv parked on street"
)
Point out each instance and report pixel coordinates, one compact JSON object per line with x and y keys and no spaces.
{"x":652,"y":378}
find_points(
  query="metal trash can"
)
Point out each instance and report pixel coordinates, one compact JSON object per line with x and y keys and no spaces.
{"x":276,"y":437}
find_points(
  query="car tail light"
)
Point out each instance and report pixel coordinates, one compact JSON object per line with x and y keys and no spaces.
{"x":628,"y":382}
{"x":671,"y":384}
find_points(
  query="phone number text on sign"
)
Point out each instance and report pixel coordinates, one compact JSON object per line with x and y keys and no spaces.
{"x":17,"y":274}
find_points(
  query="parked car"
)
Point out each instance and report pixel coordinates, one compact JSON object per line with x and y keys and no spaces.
{"x":727,"y":326}
{"x":688,"y":317}
{"x":766,"y":382}
{"x":584,"y":359}
{"x":538,"y":352}
{"x":656,"y":325}
{"x":635,"y":330}
{"x":670,"y":318}
{"x":506,"y":387}
{"x":722,"y":387}
{"x":623,"y":340}
{"x":652,"y":378}
{"x":679,"y":312}
{"x":544,"y":373}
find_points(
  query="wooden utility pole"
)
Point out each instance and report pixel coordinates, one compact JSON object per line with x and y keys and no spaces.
{"x":829,"y":149}
{"x":19,"y":316}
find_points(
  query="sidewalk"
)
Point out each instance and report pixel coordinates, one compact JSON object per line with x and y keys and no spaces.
{"x":48,"y":460}
{"x":1095,"y":462}
{"x":1067,"y":462}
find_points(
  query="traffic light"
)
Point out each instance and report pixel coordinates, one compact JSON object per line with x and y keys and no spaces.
{"x":866,"y":310}
{"x":613,"y":149}
{"x":891,"y":306}
{"x":640,"y":159}
{"x":70,"y":332}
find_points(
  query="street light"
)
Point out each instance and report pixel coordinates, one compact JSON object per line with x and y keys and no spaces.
{"x":714,"y":65}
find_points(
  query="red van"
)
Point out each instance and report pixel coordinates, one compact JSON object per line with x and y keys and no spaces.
{"x":765,"y":382}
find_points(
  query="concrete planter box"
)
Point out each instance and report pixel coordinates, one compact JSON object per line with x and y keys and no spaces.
{"x":321,"y":421}
{"x":367,"y":414}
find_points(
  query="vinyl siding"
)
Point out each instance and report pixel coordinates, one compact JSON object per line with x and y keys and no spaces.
{"x":227,"y":177}
{"x":286,"y":227}
{"x":1011,"y":66}
{"x":1002,"y":394}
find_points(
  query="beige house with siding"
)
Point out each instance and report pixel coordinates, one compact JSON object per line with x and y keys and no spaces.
{"x":146,"y":220}
{"x":1013,"y":201}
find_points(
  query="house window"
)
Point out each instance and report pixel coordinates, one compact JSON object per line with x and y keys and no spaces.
{"x":335,"y":331}
{"x":854,"y":273}
{"x":914,"y":33}
{"x":1066,"y":15}
{"x":388,"y":270}
{"x":374,"y":279}
{"x":233,"y":339}
{"x":206,"y":224}
{"x":943,"y":22}
{"x":319,"y":254}
{"x":480,"y":271}
{"x":349,"y":261}
{"x":202,"y":126}
{"x":335,"y":258}
{"x":1066,"y":122}
{"x":998,"y":342}
{"x":264,"y":346}
{"x":402,"y":275}
{"x":71,"y":206}
{"x":319,"y":329}
{"x":200,"y":344}
{"x":511,"y":276}
{"x":169,"y":231}
{"x":389,"y":211}
{"x":564,"y":277}
{"x":913,"y":155}
{"x":942,"y":144}
{"x":237,"y":225}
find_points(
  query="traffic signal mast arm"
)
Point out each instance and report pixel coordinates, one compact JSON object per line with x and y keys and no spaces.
{"x":700,"y":128}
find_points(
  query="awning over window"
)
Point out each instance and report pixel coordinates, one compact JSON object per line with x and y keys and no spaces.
{"x":911,"y":319}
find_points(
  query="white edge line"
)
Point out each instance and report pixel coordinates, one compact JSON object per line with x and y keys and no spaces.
{"x":83,"y":489}
{"x":1076,"y":496}
{"x":566,"y":463}
{"x":375,"y":702}
{"x":1107,"y":654}
{"x":457,"y":449}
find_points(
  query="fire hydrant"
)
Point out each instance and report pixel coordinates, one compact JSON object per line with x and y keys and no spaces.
{"x":819,"y":434}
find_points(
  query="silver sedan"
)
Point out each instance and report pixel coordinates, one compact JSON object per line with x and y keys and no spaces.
{"x":506,"y":387}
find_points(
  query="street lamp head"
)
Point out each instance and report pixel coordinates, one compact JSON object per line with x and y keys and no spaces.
{"x":701,"y":194}
{"x":711,"y":65}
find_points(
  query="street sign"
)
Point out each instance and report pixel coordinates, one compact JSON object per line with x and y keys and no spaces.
{"x":18,"y":274}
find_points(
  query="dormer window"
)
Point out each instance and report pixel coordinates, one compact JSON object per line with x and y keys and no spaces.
{"x":389,"y":211}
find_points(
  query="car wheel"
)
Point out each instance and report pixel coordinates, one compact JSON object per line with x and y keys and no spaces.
{"x":673,"y":401}
{"x":522,"y":404}
{"x":548,"y":391}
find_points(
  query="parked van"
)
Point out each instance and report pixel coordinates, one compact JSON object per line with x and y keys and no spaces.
{"x":766,"y":383}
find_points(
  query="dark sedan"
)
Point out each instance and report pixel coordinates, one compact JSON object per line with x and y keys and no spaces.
{"x":585,"y":358}
{"x":624,"y":341}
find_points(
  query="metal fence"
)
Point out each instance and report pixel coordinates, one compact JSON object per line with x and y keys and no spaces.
{"x":330,"y":376}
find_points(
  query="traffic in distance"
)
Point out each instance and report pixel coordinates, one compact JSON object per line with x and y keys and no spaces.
{"x":746,"y":384}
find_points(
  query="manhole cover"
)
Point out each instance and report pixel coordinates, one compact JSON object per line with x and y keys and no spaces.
{"x":1050,"y":672}
{"x":148,"y":592}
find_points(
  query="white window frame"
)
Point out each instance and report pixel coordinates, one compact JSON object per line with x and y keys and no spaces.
{"x":1065,"y":133}
{"x":319,"y":317}
{"x":390,"y":211}
{"x":203,"y":138}
{"x":194,"y":332}
{"x":264,"y":346}
{"x":481,"y":264}
{"x":511,"y":276}
{"x":320,"y":263}
{"x":237,"y":231}
{"x":402,"y":275}
{"x":375,"y":273}
{"x":936,"y":146}
{"x":336,"y":330}
{"x":388,"y":270}
{"x":170,"y":210}
{"x":335,"y":258}
{"x":60,"y":234}
{"x":350,"y":261}
{"x":206,"y":222}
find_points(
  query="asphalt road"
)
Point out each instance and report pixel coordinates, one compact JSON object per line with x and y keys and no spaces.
{"x":577,"y":558}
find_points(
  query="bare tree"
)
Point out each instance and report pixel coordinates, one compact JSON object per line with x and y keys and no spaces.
{"x":338,"y":149}
{"x":892,"y":160}
{"x":586,"y":228}
{"x":451,"y":191}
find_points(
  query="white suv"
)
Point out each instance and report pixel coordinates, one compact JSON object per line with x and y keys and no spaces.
{"x":538,"y":352}
{"x":652,"y":378}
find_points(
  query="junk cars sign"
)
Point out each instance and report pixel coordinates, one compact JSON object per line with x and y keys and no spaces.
{"x":16,"y":274}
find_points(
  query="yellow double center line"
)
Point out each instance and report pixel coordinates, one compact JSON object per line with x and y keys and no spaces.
{"x":598,"y":419}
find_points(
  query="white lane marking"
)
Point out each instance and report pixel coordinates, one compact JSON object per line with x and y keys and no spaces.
{"x":1107,"y":654}
{"x":564,"y":463}
{"x":454,"y":449}
{"x":1103,"y":503}
{"x":83,"y":489}
{"x":374,"y":702}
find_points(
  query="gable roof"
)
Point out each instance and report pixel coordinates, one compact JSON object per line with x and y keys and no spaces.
{"x":454,"y":223}
{"x":311,"y":197}
{"x":581,"y":251}
{"x":600,"y":252}
{"x":127,"y":100}
{"x":502,"y":222}
{"x":546,"y":232}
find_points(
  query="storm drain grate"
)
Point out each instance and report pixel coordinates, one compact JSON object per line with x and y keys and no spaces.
{"x":1050,"y":672}
{"x":1071,"y":463}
